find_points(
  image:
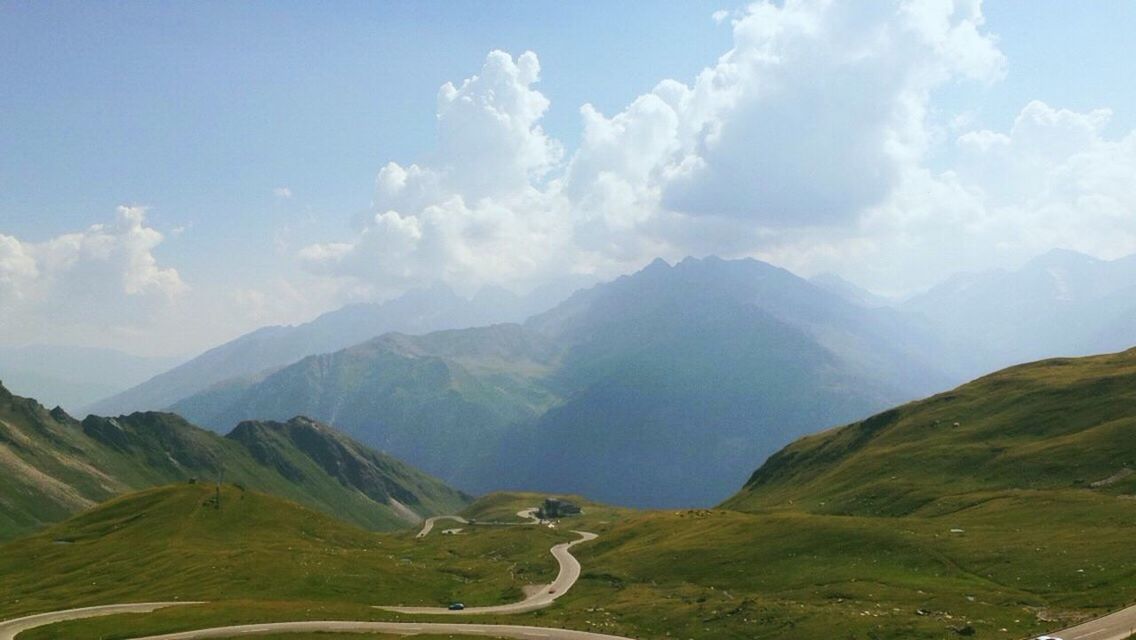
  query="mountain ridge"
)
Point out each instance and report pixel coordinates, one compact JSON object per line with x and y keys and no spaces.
{"x":55,"y":465}
{"x":268,"y":348}
{"x":1060,"y":423}
{"x":478,"y":406}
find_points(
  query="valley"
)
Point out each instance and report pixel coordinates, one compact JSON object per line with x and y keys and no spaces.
{"x":743,"y":320}
{"x":831,"y":530}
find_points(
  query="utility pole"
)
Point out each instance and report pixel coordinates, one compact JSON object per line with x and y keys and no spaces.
{"x":217,"y":502}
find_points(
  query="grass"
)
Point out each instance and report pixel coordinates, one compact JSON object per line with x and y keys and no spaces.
{"x":1013,"y":566}
{"x":503,"y":507}
{"x":1051,"y":425}
{"x":170,"y":543}
{"x":712,"y":574}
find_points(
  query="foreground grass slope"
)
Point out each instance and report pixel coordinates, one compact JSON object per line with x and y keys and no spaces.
{"x":1021,"y":565}
{"x":52,"y":466}
{"x":173,"y":543}
{"x":854,"y":534}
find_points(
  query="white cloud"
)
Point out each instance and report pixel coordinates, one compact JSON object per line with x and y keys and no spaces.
{"x":1054,"y":179}
{"x":284,"y":193}
{"x":489,"y":138}
{"x":106,"y":275}
{"x":482,"y":211}
{"x":812,"y":115}
{"x":805,"y":143}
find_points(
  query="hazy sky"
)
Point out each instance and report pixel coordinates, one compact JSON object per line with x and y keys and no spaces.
{"x":175,"y":173}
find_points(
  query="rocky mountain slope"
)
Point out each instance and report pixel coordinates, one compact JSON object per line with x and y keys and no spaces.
{"x":52,"y":465}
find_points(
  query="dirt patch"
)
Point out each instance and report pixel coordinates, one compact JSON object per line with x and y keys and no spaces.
{"x":57,"y":490}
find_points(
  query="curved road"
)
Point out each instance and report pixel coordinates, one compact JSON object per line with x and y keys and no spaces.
{"x":10,"y":628}
{"x":569,"y":573}
{"x":1115,"y":626}
{"x":396,"y":628}
{"x":428,"y":526}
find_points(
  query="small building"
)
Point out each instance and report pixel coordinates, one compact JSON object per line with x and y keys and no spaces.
{"x":554,"y":508}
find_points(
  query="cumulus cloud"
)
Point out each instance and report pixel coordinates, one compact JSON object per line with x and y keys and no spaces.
{"x":481,"y":212}
{"x":1053,"y":179}
{"x":106,"y":274}
{"x":811,"y":116}
{"x":805,"y":143}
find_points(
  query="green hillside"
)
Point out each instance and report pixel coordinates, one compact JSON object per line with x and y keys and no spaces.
{"x":1052,"y":425}
{"x":440,"y":401}
{"x":173,"y":542}
{"x":52,"y":466}
{"x":255,"y":558}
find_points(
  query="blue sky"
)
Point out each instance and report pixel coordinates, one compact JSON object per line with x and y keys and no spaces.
{"x":199,"y":111}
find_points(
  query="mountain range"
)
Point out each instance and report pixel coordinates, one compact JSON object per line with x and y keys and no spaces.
{"x":660,"y":388}
{"x":417,"y":311}
{"x":52,"y":465}
{"x":1062,"y":303}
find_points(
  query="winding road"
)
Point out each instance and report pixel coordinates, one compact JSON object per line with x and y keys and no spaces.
{"x":568,"y":575}
{"x":428,"y":526}
{"x":1115,"y":626}
{"x":10,"y":628}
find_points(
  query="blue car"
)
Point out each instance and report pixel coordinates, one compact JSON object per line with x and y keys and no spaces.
{"x":457,"y":606}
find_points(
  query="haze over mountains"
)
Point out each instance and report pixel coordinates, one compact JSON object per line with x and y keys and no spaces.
{"x":74,"y":377}
{"x":52,"y":466}
{"x":661,"y":388}
{"x":418,"y":311}
{"x":1062,"y":303}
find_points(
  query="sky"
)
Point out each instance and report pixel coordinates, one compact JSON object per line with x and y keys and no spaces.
{"x":175,"y":174}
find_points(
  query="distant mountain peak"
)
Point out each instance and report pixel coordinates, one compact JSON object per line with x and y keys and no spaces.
{"x":1062,"y":258}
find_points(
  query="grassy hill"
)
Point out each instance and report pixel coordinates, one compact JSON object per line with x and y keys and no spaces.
{"x":255,"y":558}
{"x":173,"y":542}
{"x":52,"y":466}
{"x":1003,"y":508}
{"x":440,"y":401}
{"x":1051,"y":425}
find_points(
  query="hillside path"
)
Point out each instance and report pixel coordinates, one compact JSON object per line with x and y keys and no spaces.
{"x":428,"y":525}
{"x":569,"y":573}
{"x":1115,"y":626}
{"x":396,"y":628}
{"x":9,"y":629}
